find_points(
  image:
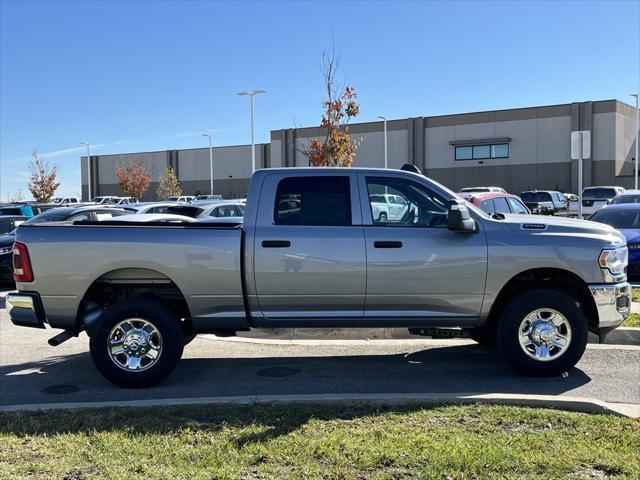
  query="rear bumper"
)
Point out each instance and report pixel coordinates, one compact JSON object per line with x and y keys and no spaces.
{"x":25,"y":310}
{"x":613,"y":302}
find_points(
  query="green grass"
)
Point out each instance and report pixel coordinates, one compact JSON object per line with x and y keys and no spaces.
{"x":318,"y":442}
{"x":633,"y":320}
{"x":635,"y":294}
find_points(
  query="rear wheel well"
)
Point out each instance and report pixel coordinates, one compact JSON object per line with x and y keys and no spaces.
{"x":551,"y":278}
{"x":129,"y":283}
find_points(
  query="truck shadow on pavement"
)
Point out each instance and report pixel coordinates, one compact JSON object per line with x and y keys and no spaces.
{"x":468,"y":369}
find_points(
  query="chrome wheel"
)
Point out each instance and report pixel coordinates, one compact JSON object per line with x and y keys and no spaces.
{"x":544,"y":334}
{"x":134,"y":344}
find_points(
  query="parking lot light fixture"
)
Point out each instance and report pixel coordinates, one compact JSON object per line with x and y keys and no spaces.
{"x":208,"y":134}
{"x":384,"y":123}
{"x":88,"y":170}
{"x":253,"y":145}
{"x":637,"y":96}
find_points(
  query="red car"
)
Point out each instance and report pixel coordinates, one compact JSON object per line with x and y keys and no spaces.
{"x":494,"y":202}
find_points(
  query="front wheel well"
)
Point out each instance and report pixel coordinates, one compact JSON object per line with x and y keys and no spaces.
{"x":551,"y":278}
{"x":115,"y":286}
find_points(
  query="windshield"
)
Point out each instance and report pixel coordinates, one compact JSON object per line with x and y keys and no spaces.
{"x":618,"y":218}
{"x":635,"y":198}
{"x":535,"y":197}
{"x":6,"y":224}
{"x":599,"y":193}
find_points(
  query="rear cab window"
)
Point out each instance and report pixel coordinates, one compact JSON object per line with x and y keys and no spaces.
{"x":599,"y":193}
{"x":317,"y":200}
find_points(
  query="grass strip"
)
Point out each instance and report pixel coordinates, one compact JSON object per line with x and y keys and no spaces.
{"x":313,"y":441}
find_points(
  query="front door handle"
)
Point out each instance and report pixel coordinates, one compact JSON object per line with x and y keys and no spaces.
{"x":276,"y":243}
{"x":387,"y":244}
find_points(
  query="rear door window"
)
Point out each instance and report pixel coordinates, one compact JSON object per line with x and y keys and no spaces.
{"x":321,"y":200}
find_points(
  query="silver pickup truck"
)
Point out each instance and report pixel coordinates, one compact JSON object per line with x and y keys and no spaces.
{"x":311,"y":253}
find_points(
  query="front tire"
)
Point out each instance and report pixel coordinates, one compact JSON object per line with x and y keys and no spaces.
{"x":137,"y":342}
{"x":542,"y":333}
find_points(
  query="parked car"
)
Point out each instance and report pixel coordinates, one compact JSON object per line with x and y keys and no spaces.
{"x":200,"y":198}
{"x":104,"y":199}
{"x":536,"y":287}
{"x":20,"y":210}
{"x":157,"y":207}
{"x":628,"y":196}
{"x":498,"y":203}
{"x":153,"y":217}
{"x":120,"y":201}
{"x":593,"y":199}
{"x":65,"y":200}
{"x":482,"y":189}
{"x":181,"y":199}
{"x":387,"y":206}
{"x":9,"y":222}
{"x":626,"y":218}
{"x":226,"y":208}
{"x":545,"y":202}
{"x":60,"y":214}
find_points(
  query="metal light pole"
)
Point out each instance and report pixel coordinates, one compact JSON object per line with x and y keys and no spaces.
{"x":207,"y":134}
{"x":253,"y":145}
{"x":88,"y":171}
{"x":384,"y":122}
{"x":637,"y":95}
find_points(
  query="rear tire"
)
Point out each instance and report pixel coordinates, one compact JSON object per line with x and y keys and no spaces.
{"x":137,"y":342}
{"x":383,"y":217}
{"x":542,"y":333}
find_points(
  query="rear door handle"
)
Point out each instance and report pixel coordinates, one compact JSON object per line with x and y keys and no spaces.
{"x":387,"y":244}
{"x":276,"y":243}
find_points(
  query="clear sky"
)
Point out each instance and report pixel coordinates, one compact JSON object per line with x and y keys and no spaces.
{"x":138,"y":76}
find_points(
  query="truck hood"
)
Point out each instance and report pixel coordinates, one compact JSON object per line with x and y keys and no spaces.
{"x":562,"y":225}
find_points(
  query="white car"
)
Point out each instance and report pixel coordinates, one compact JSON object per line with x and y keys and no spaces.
{"x":387,"y":207}
{"x":181,"y":199}
{"x":227,"y":208}
{"x":154,"y":217}
{"x":65,"y":200}
{"x":482,"y":190}
{"x":593,"y":199}
{"x":157,"y":207}
{"x":628,"y":196}
{"x":105,"y":199}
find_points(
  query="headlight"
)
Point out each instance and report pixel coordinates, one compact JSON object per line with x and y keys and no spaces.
{"x":614,"y":260}
{"x":5,"y":250}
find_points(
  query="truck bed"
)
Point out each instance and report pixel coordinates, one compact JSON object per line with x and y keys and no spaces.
{"x":202,"y":260}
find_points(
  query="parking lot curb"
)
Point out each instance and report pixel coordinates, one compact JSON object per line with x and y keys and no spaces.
{"x":575,"y":404}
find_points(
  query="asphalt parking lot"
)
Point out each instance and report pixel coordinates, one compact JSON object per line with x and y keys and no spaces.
{"x":32,"y":372}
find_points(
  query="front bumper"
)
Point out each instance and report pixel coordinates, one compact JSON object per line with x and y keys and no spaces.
{"x":25,"y":310}
{"x":613,"y":302}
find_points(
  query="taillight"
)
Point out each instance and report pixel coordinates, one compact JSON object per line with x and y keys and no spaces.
{"x":21,"y":264}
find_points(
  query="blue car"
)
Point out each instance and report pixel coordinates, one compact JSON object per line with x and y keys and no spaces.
{"x":626,"y":218}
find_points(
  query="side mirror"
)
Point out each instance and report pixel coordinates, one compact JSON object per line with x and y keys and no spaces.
{"x":459,"y":218}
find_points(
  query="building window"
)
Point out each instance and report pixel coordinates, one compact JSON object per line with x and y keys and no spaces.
{"x":482,"y":152}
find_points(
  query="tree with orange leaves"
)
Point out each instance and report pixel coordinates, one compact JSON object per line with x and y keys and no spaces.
{"x":337,"y":149}
{"x":134,"y":179}
{"x":42,"y":182}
